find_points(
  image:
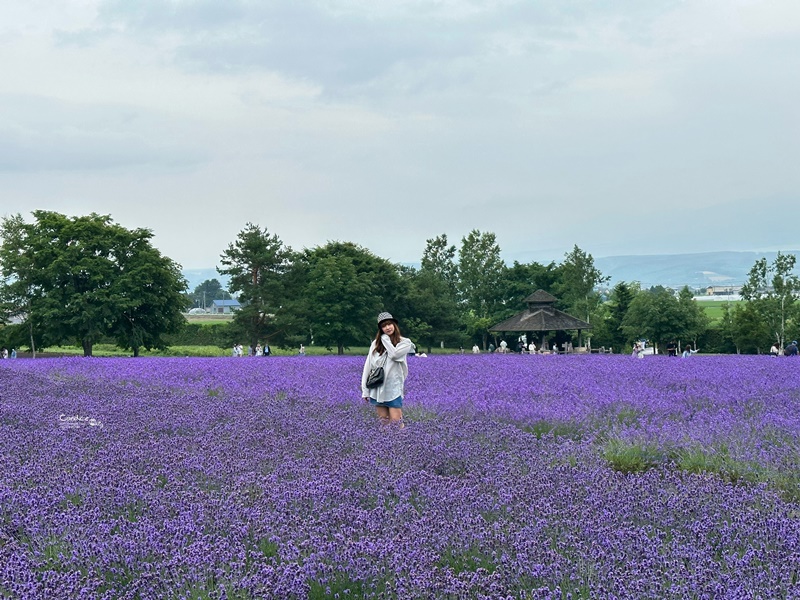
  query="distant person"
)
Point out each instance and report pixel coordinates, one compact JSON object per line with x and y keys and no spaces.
{"x":259,"y":350}
{"x":302,"y":351}
{"x":266,"y":349}
{"x":672,"y":348}
{"x":687,"y":351}
{"x":638,"y":350}
{"x":13,"y":353}
{"x":491,"y":348}
{"x":4,"y":353}
{"x":775,"y":351}
{"x":791,"y":349}
{"x":476,"y":349}
{"x":503,"y":347}
{"x":532,"y":348}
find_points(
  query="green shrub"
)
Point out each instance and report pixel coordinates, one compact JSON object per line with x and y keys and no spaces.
{"x":631,"y":457}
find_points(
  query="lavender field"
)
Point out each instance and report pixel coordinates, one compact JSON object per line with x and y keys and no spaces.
{"x":516,"y":477}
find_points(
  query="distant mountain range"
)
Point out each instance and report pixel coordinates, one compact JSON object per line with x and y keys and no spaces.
{"x":676,"y":270}
{"x":670,"y":270}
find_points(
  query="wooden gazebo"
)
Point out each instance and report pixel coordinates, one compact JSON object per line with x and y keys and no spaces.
{"x":540,"y":316}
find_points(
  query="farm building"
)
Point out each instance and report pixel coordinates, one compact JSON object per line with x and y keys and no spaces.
{"x":224,"y":307}
{"x":723,"y":290}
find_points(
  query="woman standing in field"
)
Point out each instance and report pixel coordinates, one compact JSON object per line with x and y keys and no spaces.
{"x":388,"y":350}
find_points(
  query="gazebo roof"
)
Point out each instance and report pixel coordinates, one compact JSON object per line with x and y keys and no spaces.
{"x":540,"y":316}
{"x":541,"y":297}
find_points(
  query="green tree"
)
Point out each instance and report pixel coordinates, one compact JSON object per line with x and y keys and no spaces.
{"x":150,"y":297}
{"x":726,"y":326}
{"x":206,"y":292}
{"x":579,"y":278}
{"x":481,"y":274}
{"x":82,"y":278}
{"x":257,"y":263}
{"x":749,"y":330}
{"x":432,"y":314}
{"x":17,"y":289}
{"x":655,"y":316}
{"x":740,"y":329}
{"x":433,"y":295}
{"x":772,"y":292}
{"x":608,"y":329}
{"x":522,"y":279}
{"x":694,"y":320}
{"x":438,"y":259}
{"x":344,"y":287}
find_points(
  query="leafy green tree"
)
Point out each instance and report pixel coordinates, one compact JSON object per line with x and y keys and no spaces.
{"x":17,"y":289}
{"x":150,"y":298}
{"x":655,"y":316}
{"x":694,"y":319}
{"x":206,"y":292}
{"x":726,"y":326}
{"x":772,"y":292}
{"x":438,"y":259}
{"x":607,"y":327}
{"x":749,"y":330}
{"x":621,"y":297}
{"x":432,"y":314}
{"x":720,"y":335}
{"x":83,"y":278}
{"x":481,"y":274}
{"x":522,"y":279}
{"x":344,"y":287}
{"x":579,"y":278}
{"x":257,"y":263}
{"x":433,"y":295}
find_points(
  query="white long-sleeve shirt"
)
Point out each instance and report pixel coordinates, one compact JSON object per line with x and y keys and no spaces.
{"x":395,"y":370}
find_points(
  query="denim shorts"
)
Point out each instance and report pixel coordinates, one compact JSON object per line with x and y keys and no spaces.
{"x":396,"y":403}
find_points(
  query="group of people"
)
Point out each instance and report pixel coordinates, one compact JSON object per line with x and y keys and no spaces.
{"x":672,"y":350}
{"x":5,"y":354}
{"x":257,"y":350}
{"x":789,"y":350}
{"x":503,"y":349}
{"x":522,"y":348}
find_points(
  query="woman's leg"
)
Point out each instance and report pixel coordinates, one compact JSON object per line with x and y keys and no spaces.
{"x":396,"y":416}
{"x":383,"y":414}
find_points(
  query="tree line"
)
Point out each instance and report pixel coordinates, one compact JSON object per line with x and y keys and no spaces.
{"x":83,"y":279}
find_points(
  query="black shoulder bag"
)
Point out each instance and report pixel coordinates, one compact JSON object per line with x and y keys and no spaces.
{"x":375,"y":377}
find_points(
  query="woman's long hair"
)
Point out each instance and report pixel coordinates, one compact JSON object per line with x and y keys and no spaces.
{"x":395,"y":337}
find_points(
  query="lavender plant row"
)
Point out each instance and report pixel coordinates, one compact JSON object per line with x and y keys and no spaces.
{"x":270,"y":478}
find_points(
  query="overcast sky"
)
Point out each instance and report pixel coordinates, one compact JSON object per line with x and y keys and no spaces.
{"x":636,"y":127}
